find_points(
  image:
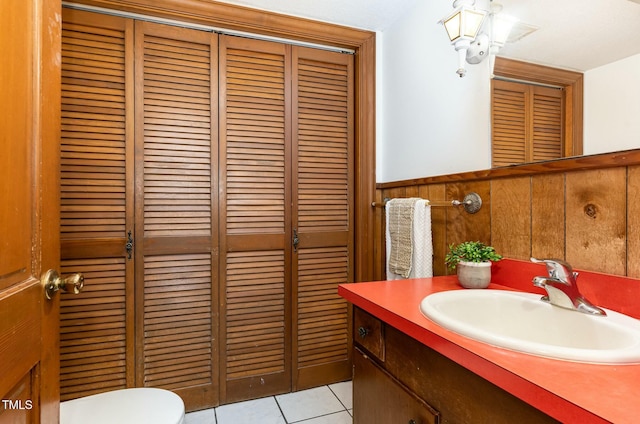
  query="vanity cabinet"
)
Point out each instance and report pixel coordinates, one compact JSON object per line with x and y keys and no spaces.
{"x":380,"y":398}
{"x":412,"y":383}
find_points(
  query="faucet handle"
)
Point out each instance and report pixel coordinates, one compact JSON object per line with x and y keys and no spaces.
{"x":559,"y":269}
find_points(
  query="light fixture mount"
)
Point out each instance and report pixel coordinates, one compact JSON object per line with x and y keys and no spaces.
{"x":477,"y":29}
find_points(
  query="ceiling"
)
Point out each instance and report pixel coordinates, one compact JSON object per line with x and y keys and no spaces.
{"x":571,"y":34}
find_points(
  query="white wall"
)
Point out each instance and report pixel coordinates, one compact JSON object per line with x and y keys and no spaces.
{"x":612,"y":107}
{"x":430,"y":121}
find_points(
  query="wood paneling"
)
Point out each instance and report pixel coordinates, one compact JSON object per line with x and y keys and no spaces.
{"x":596,"y":220}
{"x":462,"y":226}
{"x":633,"y":222}
{"x":511,"y":217}
{"x":576,"y":209}
{"x":547,"y":216}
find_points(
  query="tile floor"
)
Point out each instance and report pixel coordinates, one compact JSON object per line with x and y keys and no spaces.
{"x":322,"y":405}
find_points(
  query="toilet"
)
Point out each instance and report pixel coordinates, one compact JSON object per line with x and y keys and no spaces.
{"x":127,"y":406}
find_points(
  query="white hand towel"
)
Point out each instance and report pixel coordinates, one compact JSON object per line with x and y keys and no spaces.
{"x":422,"y":242}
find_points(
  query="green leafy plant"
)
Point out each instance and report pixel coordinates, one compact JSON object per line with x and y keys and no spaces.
{"x":470,"y":251}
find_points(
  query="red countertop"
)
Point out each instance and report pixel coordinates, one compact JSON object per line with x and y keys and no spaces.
{"x":571,"y":392}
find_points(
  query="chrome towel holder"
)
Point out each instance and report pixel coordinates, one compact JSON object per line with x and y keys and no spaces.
{"x":472,"y":203}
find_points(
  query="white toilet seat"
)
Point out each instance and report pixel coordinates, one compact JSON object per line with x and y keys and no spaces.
{"x":127,"y":406}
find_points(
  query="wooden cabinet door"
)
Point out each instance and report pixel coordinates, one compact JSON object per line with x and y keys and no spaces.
{"x":30,"y":124}
{"x":378,"y":398}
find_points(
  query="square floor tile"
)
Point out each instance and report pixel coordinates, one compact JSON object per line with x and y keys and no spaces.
{"x":206,"y":416}
{"x":258,"y":411}
{"x":337,"y":418}
{"x":344,"y":391}
{"x":307,"y":404}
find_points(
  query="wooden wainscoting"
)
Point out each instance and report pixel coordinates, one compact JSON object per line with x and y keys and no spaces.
{"x":578,"y":209}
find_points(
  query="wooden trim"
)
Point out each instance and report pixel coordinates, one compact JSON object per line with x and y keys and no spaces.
{"x":47,"y":126}
{"x":239,"y":18}
{"x":573,"y":85}
{"x":365,"y":156}
{"x":600,"y":161}
{"x":518,"y":70}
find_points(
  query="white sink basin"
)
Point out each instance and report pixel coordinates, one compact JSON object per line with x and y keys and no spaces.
{"x":522,"y":322}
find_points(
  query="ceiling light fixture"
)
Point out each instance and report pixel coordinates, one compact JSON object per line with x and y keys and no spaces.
{"x":477,"y":30}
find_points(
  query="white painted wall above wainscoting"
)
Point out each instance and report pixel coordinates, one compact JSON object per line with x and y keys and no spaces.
{"x":612,"y":107}
{"x":433,"y":122}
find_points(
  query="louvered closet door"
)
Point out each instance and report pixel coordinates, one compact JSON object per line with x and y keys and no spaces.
{"x":323,"y":214}
{"x":255,"y":219}
{"x":176,"y":266}
{"x":96,"y":203}
{"x":509,"y":123}
{"x":547,"y":131}
{"x":526,"y":123}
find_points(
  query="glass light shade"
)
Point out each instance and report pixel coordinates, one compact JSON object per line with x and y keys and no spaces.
{"x":464,"y":23}
{"x":502,"y":25}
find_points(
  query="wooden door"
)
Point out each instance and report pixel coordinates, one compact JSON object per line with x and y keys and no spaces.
{"x":29,"y":127}
{"x":255,"y":216}
{"x":176,"y":222}
{"x":96,"y":202}
{"x":323,"y":117}
{"x":139,"y":148}
{"x":286,"y":163}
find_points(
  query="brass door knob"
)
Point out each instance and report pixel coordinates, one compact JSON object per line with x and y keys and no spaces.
{"x":52,"y":282}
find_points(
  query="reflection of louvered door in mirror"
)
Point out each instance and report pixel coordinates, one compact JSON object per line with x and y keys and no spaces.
{"x":323,"y":218}
{"x":176,"y":157}
{"x":527,"y":123}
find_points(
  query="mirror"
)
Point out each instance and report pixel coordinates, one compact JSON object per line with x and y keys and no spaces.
{"x":596,"y":38}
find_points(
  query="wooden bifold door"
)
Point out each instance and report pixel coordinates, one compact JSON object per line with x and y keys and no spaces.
{"x":206,"y":193}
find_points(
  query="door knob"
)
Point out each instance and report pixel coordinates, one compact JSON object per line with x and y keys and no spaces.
{"x":52,"y":282}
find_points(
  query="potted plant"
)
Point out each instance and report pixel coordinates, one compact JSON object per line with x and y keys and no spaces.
{"x":473,"y":262}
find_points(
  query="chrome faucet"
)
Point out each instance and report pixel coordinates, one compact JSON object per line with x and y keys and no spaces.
{"x":562,"y":288}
